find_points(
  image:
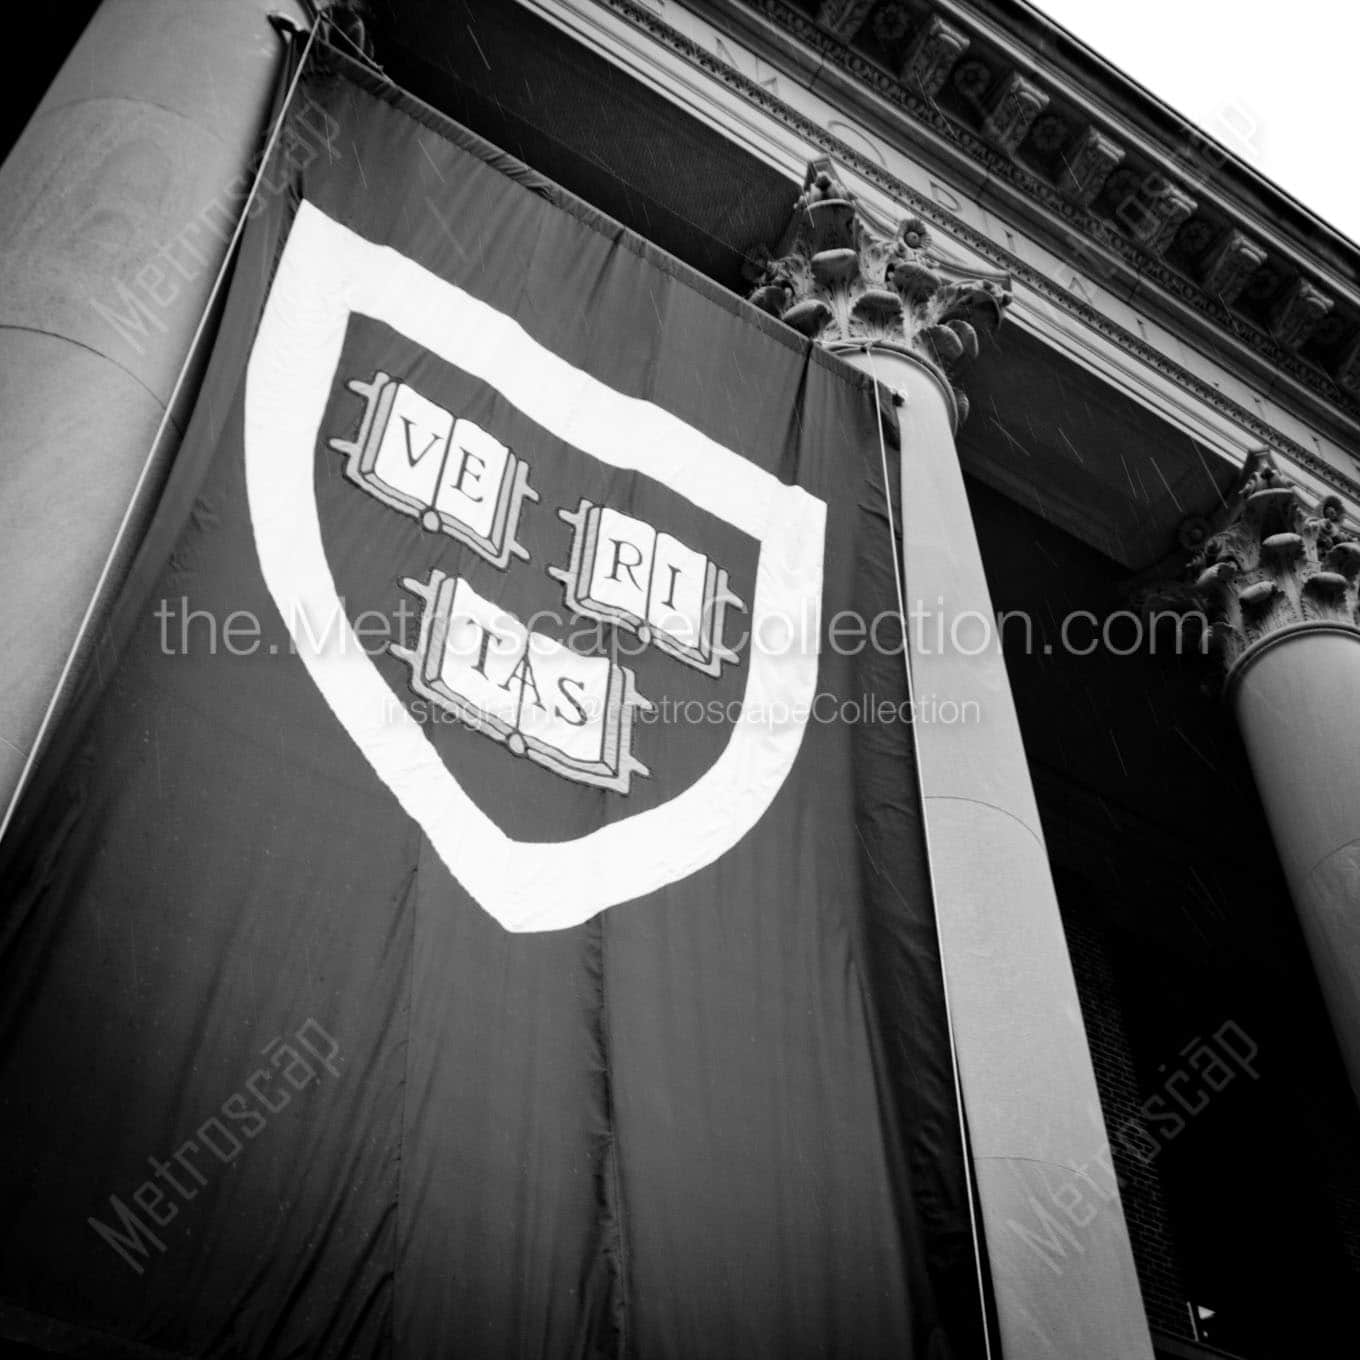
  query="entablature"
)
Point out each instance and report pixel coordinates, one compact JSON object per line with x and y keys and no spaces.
{"x":1123,"y":173}
{"x":769,"y":88}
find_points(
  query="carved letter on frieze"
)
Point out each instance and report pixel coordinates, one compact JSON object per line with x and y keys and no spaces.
{"x":1087,"y":164}
{"x":1296,"y":315}
{"x":932,"y":55}
{"x":1017,"y":102}
{"x":1231,"y":263}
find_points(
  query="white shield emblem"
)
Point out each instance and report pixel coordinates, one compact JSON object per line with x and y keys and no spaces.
{"x":327,"y":274}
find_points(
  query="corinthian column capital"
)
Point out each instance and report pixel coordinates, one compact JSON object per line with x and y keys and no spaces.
{"x":848,"y":284}
{"x":1275,"y":561}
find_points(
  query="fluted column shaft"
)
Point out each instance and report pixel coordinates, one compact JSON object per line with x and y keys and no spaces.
{"x":116,"y":206}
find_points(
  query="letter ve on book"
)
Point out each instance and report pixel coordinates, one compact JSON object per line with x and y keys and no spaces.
{"x":442,"y":470}
{"x":570,"y":713}
{"x":624,"y":571}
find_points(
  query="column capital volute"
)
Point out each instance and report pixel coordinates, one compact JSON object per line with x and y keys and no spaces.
{"x":848,"y":282}
{"x":1275,"y":561}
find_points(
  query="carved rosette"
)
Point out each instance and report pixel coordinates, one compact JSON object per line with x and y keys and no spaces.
{"x":1276,"y":561}
{"x":845,"y":284}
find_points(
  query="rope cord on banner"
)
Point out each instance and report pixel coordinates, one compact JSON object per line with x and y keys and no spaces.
{"x":930,"y":871}
{"x":93,"y":608}
{"x":326,"y":14}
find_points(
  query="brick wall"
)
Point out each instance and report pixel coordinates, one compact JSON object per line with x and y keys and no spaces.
{"x":1345,"y":1193}
{"x":1154,"y":1251}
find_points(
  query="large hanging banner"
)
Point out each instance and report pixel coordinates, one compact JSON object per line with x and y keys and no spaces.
{"x":477,"y":906}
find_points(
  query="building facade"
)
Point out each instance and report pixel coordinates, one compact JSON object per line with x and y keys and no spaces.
{"x":1129,"y":382}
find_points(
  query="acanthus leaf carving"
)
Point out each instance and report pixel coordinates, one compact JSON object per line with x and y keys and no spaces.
{"x":1296,"y":313}
{"x":1011,"y":112}
{"x":1274,"y":560}
{"x":1087,"y":164}
{"x":933,"y":53}
{"x":1348,"y":370}
{"x":1231,"y":264}
{"x":1170,"y":207}
{"x":845,"y":283}
{"x":843,"y":18}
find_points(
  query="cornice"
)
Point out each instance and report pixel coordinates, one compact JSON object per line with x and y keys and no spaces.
{"x":1021,"y":272}
{"x":1157,"y":209}
{"x":1104,"y":90}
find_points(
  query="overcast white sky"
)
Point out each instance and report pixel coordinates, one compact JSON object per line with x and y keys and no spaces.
{"x":1277,"y":84}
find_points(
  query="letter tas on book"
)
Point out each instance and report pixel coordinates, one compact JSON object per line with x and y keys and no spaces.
{"x":571,"y":714}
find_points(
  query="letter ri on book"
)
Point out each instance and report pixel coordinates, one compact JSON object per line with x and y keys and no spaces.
{"x":625,"y":572}
{"x":442,"y":470}
{"x":572,"y":714}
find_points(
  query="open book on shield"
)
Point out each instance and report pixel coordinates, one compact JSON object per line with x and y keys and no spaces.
{"x":441,"y":469}
{"x":624,"y":571}
{"x":570,"y":713}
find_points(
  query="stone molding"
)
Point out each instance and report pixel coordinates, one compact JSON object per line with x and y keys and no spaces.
{"x":1230,"y":264}
{"x":1297,"y":313}
{"x":843,"y":18}
{"x":1155,"y":224}
{"x":1088,"y":164}
{"x":1011,"y":111}
{"x":933,"y":54}
{"x":845,"y":283}
{"x":636,"y":13}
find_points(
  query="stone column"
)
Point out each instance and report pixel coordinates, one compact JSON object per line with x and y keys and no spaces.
{"x":116,"y":206}
{"x":1057,"y":1246}
{"x":1278,"y":579}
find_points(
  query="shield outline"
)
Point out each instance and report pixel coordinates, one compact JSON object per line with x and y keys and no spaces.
{"x":326,"y":272}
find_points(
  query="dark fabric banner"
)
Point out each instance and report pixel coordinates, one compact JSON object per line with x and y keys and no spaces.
{"x":477,"y":906}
